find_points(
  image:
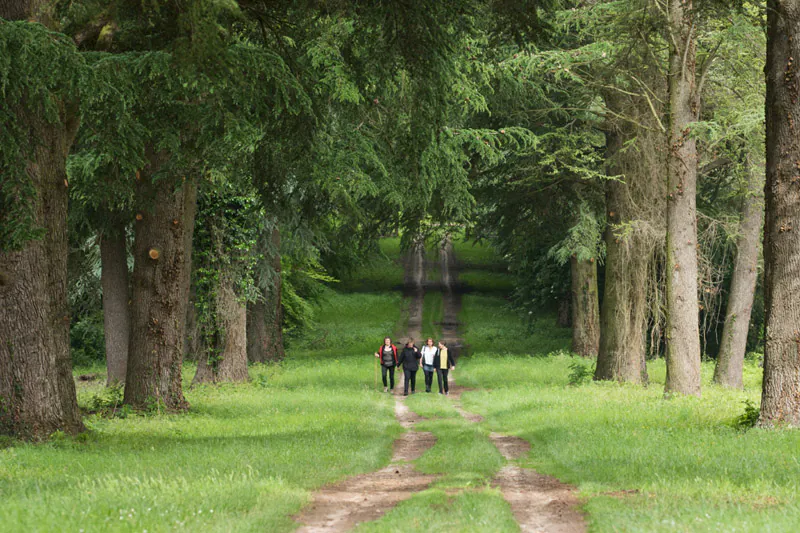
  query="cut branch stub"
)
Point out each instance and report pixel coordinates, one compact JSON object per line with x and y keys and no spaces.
{"x":154,"y":254}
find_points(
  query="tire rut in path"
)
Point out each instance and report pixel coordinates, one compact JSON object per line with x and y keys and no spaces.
{"x":366,"y":497}
{"x":539,"y":503}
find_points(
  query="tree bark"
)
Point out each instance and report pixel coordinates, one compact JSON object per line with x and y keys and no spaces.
{"x":193,"y":342}
{"x":585,"y":308}
{"x":564,"y":314}
{"x":265,"y":316}
{"x":780,"y":397}
{"x":623,"y":319}
{"x":160,"y":288}
{"x":225,"y":359}
{"x":116,"y":319}
{"x":32,"y":10}
{"x":37,"y":391}
{"x":728,"y":371}
{"x":683,"y":328}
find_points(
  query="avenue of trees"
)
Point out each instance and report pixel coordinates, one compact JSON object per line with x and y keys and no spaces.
{"x":177,"y":179}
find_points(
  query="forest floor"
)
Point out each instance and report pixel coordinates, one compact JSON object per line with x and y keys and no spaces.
{"x":254,"y":457}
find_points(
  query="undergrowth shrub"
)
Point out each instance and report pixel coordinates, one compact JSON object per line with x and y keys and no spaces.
{"x":581,"y":371}
{"x":749,"y":418}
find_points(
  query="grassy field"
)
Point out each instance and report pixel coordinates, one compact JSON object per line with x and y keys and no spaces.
{"x":244,"y":458}
{"x":247,"y":457}
{"x":641,"y":462}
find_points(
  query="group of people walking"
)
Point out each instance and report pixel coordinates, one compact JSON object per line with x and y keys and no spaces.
{"x":434,"y":359}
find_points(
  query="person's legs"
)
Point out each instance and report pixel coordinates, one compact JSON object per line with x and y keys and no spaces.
{"x":439,"y":379}
{"x":406,"y":377}
{"x":391,"y":378}
{"x":413,"y":374}
{"x":428,"y":377}
{"x":444,"y":373}
{"x":383,"y":375}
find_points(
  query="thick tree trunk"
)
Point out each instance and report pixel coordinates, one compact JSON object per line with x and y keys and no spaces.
{"x":37,"y":391}
{"x":683,"y":328}
{"x":34,"y":10}
{"x":728,"y":371}
{"x":780,"y":397}
{"x":265,"y":317}
{"x":585,"y":308}
{"x":160,"y":288}
{"x":623,"y":320}
{"x":116,"y":319}
{"x":225,"y":359}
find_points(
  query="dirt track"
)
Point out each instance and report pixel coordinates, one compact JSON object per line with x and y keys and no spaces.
{"x":539,"y":503}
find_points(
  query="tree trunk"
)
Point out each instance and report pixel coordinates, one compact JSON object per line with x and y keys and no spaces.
{"x":193,"y":341}
{"x":265,"y":317}
{"x":37,"y":391}
{"x":564,"y":315}
{"x":683,"y":328}
{"x":585,"y":308}
{"x":225,"y":358}
{"x":160,"y":288}
{"x":116,"y":320}
{"x":728,"y":371}
{"x":623,"y":320}
{"x":780,"y":397}
{"x":34,"y":10}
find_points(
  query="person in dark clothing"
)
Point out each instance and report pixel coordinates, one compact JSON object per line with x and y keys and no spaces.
{"x":443,"y":363}
{"x":409,"y":358}
{"x":429,"y":352}
{"x":388,"y":356}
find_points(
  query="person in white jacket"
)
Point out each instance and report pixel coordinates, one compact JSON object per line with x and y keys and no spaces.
{"x":429,"y":353}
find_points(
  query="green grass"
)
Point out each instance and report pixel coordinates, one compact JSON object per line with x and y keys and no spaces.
{"x":435,"y":511}
{"x":691,"y":470}
{"x":481,"y":256}
{"x":383,"y":273}
{"x":244,"y":458}
{"x":491,"y":326}
{"x":486,"y":282}
{"x":432,"y":314}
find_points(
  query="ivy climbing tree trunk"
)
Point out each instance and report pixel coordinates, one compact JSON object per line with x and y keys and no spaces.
{"x":780,"y":397}
{"x":585,"y":308}
{"x":623,"y":319}
{"x":265,"y":316}
{"x":683,"y":328}
{"x":160,"y":287}
{"x":224,"y":357}
{"x":116,"y":318}
{"x":37,"y":391}
{"x":728,"y":371}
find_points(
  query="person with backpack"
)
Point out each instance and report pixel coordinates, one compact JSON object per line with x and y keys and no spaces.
{"x":409,"y":358}
{"x":388,"y":357}
{"x":429,"y":353}
{"x":443,"y":363}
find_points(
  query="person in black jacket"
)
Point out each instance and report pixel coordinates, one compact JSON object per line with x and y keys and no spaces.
{"x":409,"y":358}
{"x":443,"y":362}
{"x":388,"y":356}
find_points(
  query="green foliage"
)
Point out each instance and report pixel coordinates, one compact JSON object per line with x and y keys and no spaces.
{"x":87,"y":340}
{"x":581,"y":371}
{"x":41,"y":77}
{"x":229,"y":223}
{"x":749,"y":418}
